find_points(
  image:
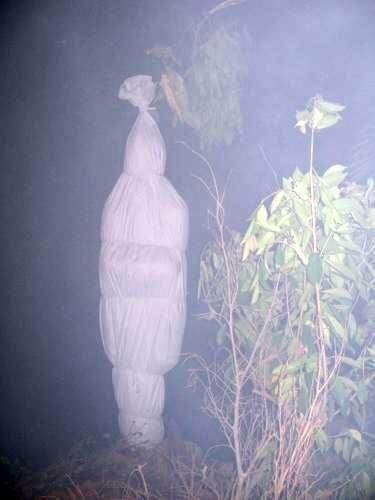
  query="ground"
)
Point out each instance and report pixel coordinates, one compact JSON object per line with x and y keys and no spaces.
{"x":105,"y":468}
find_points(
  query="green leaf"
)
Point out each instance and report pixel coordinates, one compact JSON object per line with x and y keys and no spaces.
{"x":325,"y":197}
{"x":215,"y":260}
{"x":306,"y":237}
{"x":264,"y":241}
{"x":242,"y":327}
{"x":281,"y":221}
{"x":353,"y":363}
{"x":338,"y":293}
{"x":327,"y":121}
{"x":314,"y":268}
{"x":346,"y":449}
{"x":285,"y":388}
{"x":348,"y":206}
{"x":348,"y":383}
{"x":356,"y":454}
{"x":341,"y":395}
{"x":277,"y":199}
{"x":287,"y":183}
{"x":346,"y":229}
{"x":255,"y":295}
{"x":303,"y":115}
{"x":322,"y":440}
{"x":366,"y":484}
{"x":249,"y":246}
{"x":262,"y":215}
{"x":338,"y":445}
{"x":303,"y":119}
{"x":279,"y":256}
{"x":300,"y":253}
{"x":334,"y":175}
{"x":263,"y":275}
{"x":343,"y":205}
{"x":364,"y":292}
{"x":347,"y":243}
{"x":343,"y":270}
{"x":221,"y":334}
{"x":359,"y":417}
{"x":337,"y":327}
{"x":355,"y":434}
{"x":328,"y":219}
{"x":317,"y":117}
{"x":326,"y":335}
{"x":328,"y":107}
{"x":249,"y":231}
{"x":303,"y":395}
{"x":302,"y":190}
{"x":362,"y":392}
{"x":289,"y":368}
{"x":328,"y":194}
{"x":310,"y":364}
{"x":302,"y":210}
{"x":352,"y":325}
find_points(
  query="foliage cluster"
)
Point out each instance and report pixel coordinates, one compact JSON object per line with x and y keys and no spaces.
{"x":206,"y":97}
{"x":305,"y":290}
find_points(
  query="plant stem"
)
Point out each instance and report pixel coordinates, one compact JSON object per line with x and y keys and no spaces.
{"x":312,"y":195}
{"x":322,"y":353}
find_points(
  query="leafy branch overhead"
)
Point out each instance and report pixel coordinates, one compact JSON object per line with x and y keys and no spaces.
{"x":205,"y":96}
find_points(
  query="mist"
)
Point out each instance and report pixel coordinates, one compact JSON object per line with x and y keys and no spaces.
{"x":63,"y":132}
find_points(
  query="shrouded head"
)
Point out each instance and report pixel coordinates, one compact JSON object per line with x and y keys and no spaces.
{"x":145,"y":149}
{"x":139,"y":90}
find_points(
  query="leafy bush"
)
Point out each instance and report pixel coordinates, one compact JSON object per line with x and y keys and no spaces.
{"x":303,"y":310}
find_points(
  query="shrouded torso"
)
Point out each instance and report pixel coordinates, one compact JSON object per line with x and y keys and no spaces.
{"x":144,"y":207}
{"x":161,"y":221}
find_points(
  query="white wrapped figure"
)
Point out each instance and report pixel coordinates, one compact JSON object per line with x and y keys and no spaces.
{"x":142,"y":272}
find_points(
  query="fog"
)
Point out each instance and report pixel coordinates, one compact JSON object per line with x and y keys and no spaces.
{"x":63,"y":132}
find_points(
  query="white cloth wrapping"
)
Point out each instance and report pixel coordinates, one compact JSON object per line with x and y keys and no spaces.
{"x":142,"y":272}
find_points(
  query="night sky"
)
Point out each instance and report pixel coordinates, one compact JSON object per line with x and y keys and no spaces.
{"x":62,"y":133}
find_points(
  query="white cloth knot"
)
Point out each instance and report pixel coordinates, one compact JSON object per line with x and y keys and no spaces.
{"x":139,"y":90}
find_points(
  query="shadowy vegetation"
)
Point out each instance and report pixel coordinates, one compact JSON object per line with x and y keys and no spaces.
{"x":204,"y":92}
{"x":294,"y":298}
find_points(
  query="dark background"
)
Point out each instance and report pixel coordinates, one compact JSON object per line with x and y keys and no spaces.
{"x":62,"y":133}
